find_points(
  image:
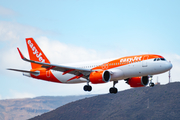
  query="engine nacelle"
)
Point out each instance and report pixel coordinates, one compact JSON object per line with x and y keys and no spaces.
{"x":138,"y":81}
{"x":100,"y":77}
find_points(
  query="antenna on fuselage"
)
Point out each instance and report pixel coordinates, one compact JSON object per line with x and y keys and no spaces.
{"x":169,"y":75}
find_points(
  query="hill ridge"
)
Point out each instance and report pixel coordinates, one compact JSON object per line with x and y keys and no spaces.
{"x":21,"y":109}
{"x":159,"y":102}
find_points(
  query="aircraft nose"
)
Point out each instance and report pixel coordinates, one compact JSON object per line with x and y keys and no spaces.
{"x":169,"y":65}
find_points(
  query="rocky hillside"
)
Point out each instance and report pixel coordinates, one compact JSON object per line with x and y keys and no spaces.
{"x":161,"y":102}
{"x":22,"y":109}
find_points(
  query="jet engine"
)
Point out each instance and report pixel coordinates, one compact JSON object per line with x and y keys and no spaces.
{"x":100,"y":77}
{"x":138,"y":81}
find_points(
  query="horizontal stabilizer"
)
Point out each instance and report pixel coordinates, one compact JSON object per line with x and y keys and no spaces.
{"x":23,"y":71}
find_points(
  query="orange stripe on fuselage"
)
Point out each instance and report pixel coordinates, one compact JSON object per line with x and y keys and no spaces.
{"x":126,"y":60}
{"x":45,"y":75}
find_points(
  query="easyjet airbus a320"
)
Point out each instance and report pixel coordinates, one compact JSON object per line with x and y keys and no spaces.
{"x":136,"y":70}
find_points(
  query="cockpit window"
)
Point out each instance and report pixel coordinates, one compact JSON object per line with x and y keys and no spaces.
{"x":159,"y":59}
{"x":163,"y":59}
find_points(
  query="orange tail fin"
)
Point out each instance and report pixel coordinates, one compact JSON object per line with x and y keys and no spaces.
{"x":35,"y":53}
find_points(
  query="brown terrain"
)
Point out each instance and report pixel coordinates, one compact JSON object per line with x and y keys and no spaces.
{"x":22,"y":109}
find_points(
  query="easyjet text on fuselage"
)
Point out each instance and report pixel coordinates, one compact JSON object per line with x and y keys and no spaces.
{"x":131,"y":59}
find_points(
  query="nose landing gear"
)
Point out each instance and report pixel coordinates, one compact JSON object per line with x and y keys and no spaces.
{"x":151,"y":84}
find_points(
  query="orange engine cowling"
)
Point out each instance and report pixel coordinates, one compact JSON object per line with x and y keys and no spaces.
{"x":138,"y":81}
{"x":100,"y":77}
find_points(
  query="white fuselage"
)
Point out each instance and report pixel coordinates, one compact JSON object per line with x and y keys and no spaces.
{"x":132,"y":69}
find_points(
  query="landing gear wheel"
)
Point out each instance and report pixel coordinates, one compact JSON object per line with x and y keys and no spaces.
{"x":151,"y":84}
{"x":87,"y":88}
{"x":113,"y":90}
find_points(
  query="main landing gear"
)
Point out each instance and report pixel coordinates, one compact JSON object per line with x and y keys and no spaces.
{"x":113,"y":89}
{"x":151,"y":84}
{"x":87,"y":87}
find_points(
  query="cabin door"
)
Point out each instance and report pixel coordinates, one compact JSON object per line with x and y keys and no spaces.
{"x":144,"y":62}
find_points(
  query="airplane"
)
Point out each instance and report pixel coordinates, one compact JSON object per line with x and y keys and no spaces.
{"x":137,"y":70}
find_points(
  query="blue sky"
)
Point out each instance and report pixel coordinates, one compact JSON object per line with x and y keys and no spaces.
{"x":78,"y":30}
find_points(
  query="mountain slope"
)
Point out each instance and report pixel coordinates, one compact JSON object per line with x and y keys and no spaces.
{"x":159,"y":102}
{"x":21,"y":109}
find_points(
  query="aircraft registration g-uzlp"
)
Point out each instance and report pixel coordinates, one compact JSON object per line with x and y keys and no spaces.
{"x":137,"y":70}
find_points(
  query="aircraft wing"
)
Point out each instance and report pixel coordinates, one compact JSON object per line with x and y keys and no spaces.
{"x":79,"y":72}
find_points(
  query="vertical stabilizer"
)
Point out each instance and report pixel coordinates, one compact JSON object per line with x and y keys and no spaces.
{"x":35,"y":53}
